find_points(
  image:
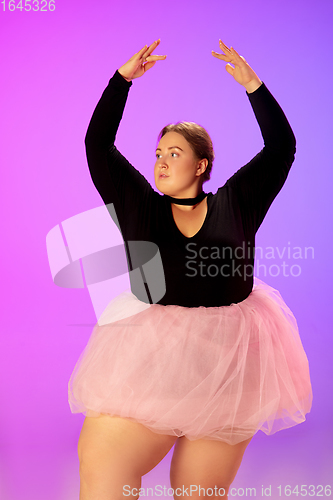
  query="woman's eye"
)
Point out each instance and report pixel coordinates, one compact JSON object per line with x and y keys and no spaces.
{"x":172,"y":154}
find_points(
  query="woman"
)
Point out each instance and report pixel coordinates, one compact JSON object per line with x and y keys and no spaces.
{"x":217,"y":357}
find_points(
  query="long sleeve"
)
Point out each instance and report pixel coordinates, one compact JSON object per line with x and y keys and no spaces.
{"x":116,"y":180}
{"x":260,"y":180}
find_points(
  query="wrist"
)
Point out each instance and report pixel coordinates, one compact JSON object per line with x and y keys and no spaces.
{"x":125,"y":77}
{"x":253,"y":85}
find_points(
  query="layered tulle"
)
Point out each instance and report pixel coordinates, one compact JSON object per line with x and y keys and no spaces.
{"x":216,"y":373}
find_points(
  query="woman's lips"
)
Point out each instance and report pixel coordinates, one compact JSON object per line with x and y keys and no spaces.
{"x":162,"y":176}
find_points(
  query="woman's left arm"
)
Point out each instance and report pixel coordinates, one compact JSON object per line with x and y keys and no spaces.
{"x":259,"y":181}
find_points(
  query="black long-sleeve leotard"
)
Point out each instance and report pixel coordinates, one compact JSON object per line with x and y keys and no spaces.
{"x":212,"y":268}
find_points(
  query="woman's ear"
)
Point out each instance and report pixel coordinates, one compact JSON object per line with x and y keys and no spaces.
{"x":202,"y":166}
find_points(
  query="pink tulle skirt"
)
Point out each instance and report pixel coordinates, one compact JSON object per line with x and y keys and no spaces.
{"x":219,"y":373}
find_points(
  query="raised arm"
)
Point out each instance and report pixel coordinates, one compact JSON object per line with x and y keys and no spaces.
{"x":260,"y":180}
{"x":102,"y":131}
{"x":114,"y":177}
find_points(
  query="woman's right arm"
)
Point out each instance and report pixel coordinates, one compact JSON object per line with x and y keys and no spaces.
{"x":101,"y":133}
{"x":114,"y":177}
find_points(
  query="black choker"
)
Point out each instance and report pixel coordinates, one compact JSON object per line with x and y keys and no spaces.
{"x":186,"y":201}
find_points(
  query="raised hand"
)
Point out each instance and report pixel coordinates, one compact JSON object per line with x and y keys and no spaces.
{"x":240,"y":70}
{"x":141,"y":62}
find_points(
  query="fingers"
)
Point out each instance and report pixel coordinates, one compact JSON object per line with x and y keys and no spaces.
{"x":236,"y":55}
{"x":223,"y":47}
{"x":142,"y":51}
{"x":230,"y":55}
{"x":146,"y":58}
{"x":230,"y":69}
{"x":149,"y":60}
{"x":227,"y":56}
{"x":220,"y":56}
{"x":149,"y":65}
{"x":151,"y":48}
{"x":145,"y":51}
{"x":231,"y":52}
{"x":155,"y":58}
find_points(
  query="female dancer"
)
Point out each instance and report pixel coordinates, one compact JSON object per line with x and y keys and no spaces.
{"x":218,"y":356}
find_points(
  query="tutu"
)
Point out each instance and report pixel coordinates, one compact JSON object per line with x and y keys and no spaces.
{"x":219,"y":373}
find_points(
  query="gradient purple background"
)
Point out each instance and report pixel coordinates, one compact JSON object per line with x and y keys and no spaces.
{"x":54,"y":68}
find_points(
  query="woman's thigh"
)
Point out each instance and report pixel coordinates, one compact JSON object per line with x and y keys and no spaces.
{"x":207,"y":464}
{"x":115,"y":452}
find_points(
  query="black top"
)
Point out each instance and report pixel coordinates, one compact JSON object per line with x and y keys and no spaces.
{"x":215,"y":266}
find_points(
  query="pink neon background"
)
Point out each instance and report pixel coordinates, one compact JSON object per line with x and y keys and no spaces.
{"x":54,"y":67}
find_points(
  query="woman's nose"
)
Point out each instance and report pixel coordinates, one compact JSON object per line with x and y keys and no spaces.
{"x":163,"y":163}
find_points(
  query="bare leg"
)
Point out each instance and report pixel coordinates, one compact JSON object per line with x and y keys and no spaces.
{"x":115,"y":452}
{"x":206,"y":464}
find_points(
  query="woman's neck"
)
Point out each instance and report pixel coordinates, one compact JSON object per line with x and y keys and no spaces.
{"x":187,"y":203}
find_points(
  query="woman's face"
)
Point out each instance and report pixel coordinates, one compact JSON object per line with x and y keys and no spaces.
{"x":177,"y":170}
